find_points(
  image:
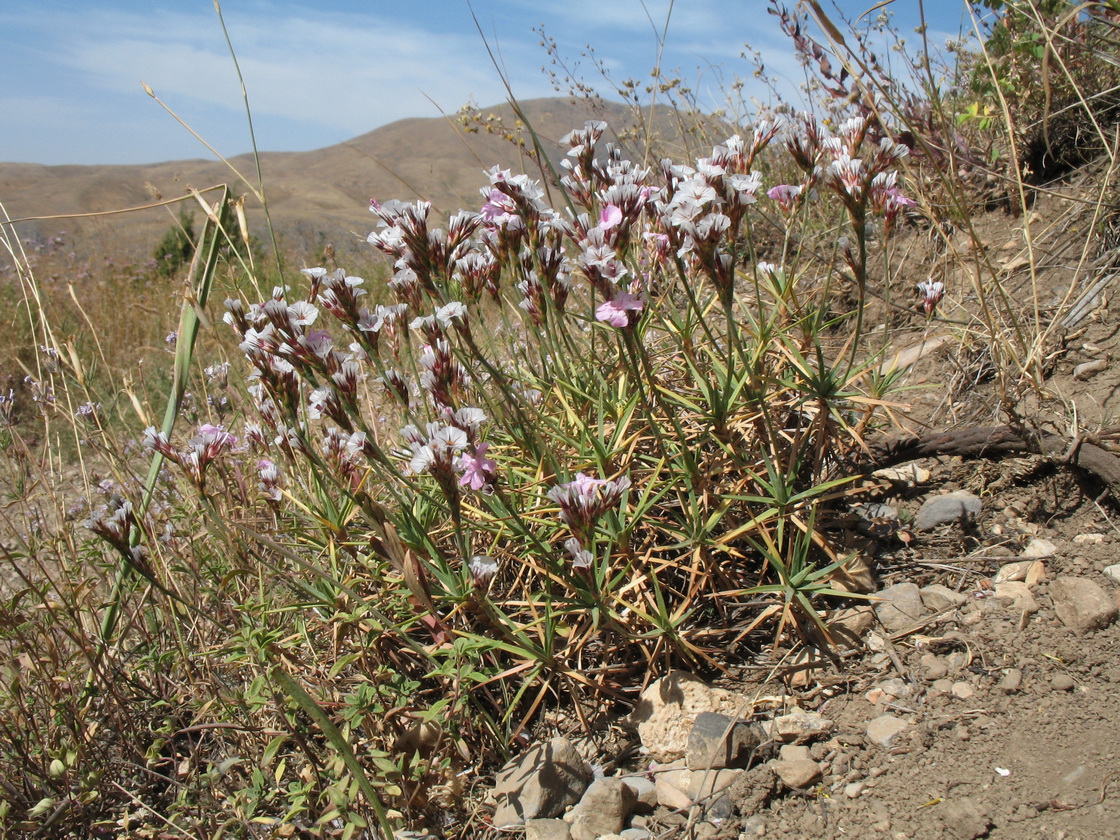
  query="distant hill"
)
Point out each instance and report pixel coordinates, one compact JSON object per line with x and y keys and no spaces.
{"x":314,"y":197}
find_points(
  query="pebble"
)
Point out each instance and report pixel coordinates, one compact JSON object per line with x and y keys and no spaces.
{"x":900,"y":606}
{"x":962,"y":690}
{"x":1089,"y":539}
{"x":1082,"y":605}
{"x":947,"y":508}
{"x":799,"y":773}
{"x":1062,"y":681}
{"x":1012,"y":680}
{"x":1039,"y":549}
{"x":1113,"y":572}
{"x":884,"y":729}
{"x":852,"y":790}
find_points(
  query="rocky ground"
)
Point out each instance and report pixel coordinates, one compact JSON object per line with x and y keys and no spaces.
{"x":981,"y":701}
{"x":977,"y":696}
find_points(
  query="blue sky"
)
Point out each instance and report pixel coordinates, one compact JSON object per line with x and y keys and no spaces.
{"x":321,"y":73}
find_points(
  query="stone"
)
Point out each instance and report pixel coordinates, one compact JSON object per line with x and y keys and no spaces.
{"x":1082,"y":605}
{"x":888,"y":691}
{"x":963,"y":819}
{"x":1085,"y":370}
{"x":717,"y":741}
{"x":644,"y":790}
{"x":798,"y":725}
{"x":794,"y":752}
{"x":1012,"y":681}
{"x":549,"y":829}
{"x":852,"y":790}
{"x":797,"y":774}
{"x":1033,"y":570}
{"x":939,"y":597}
{"x":910,"y":474}
{"x":1062,"y":681}
{"x":668,"y":708}
{"x":900,"y":606}
{"x":669,"y":793}
{"x":635,"y":834}
{"x":849,"y":626}
{"x":1089,"y":539}
{"x":933,"y":667}
{"x":962,"y":690}
{"x":753,"y":826}
{"x":541,"y":783}
{"x":883,"y":730}
{"x":721,"y":808}
{"x":702,"y":784}
{"x":1113,"y":572}
{"x":950,"y":507}
{"x":1020,"y":594}
{"x":1039,"y":549}
{"x":603,"y":809}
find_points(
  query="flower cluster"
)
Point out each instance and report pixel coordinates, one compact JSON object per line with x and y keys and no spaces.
{"x":204,"y":448}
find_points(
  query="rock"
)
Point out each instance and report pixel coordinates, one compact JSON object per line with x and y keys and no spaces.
{"x":883,"y":730}
{"x":888,"y":691}
{"x":722,"y":808}
{"x":1012,"y":680}
{"x":1019,"y":570}
{"x":603,"y":809}
{"x":1081,"y":604}
{"x":754,"y":826}
{"x":669,"y":793}
{"x":1062,"y":681}
{"x":703,"y":783}
{"x":798,"y":725}
{"x":1089,"y":539}
{"x":635,"y":834}
{"x":794,"y":752}
{"x":797,"y":774}
{"x":933,"y":666}
{"x":1088,"y":369}
{"x":1020,"y":595}
{"x":962,"y":690}
{"x":950,"y":507}
{"x":716,"y":741}
{"x":668,"y":709}
{"x":849,"y":626}
{"x":910,"y":474}
{"x":900,"y":607}
{"x":963,"y":819}
{"x":644,"y":790}
{"x":1113,"y":572}
{"x":547,"y":830}
{"x":937,"y":597}
{"x":852,"y":790}
{"x":541,"y":783}
{"x":1039,"y":549}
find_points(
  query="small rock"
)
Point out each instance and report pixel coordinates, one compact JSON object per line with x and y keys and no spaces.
{"x":1088,"y":369}
{"x":1082,"y":605}
{"x":797,"y":774}
{"x":1039,"y":549}
{"x":635,"y":834}
{"x":1113,"y":572}
{"x":669,"y":793}
{"x":950,"y":507}
{"x":718,"y":741}
{"x":939,"y":597}
{"x":963,"y":819}
{"x":888,"y":691}
{"x":933,"y":666}
{"x":702,"y":784}
{"x":962,"y":690}
{"x":1062,"y":681}
{"x":883,"y":730}
{"x":910,"y":474}
{"x":1019,"y":570}
{"x":547,"y":830}
{"x":852,"y":790}
{"x":1012,"y":680}
{"x":799,"y":725}
{"x":754,"y":826}
{"x":794,"y":752}
{"x":668,"y":709}
{"x":541,"y":783}
{"x":1020,"y":595}
{"x":603,"y":809}
{"x":720,"y":809}
{"x":1089,"y":539}
{"x":900,"y":606}
{"x":849,"y":626}
{"x":644,"y":790}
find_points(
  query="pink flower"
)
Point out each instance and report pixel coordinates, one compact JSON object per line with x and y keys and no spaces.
{"x":932,"y":291}
{"x":610,"y":217}
{"x":616,"y":311}
{"x":478,"y":470}
{"x":786,"y":196}
{"x":499,"y":209}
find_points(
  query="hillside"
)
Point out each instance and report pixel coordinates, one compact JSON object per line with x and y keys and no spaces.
{"x":315,"y":197}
